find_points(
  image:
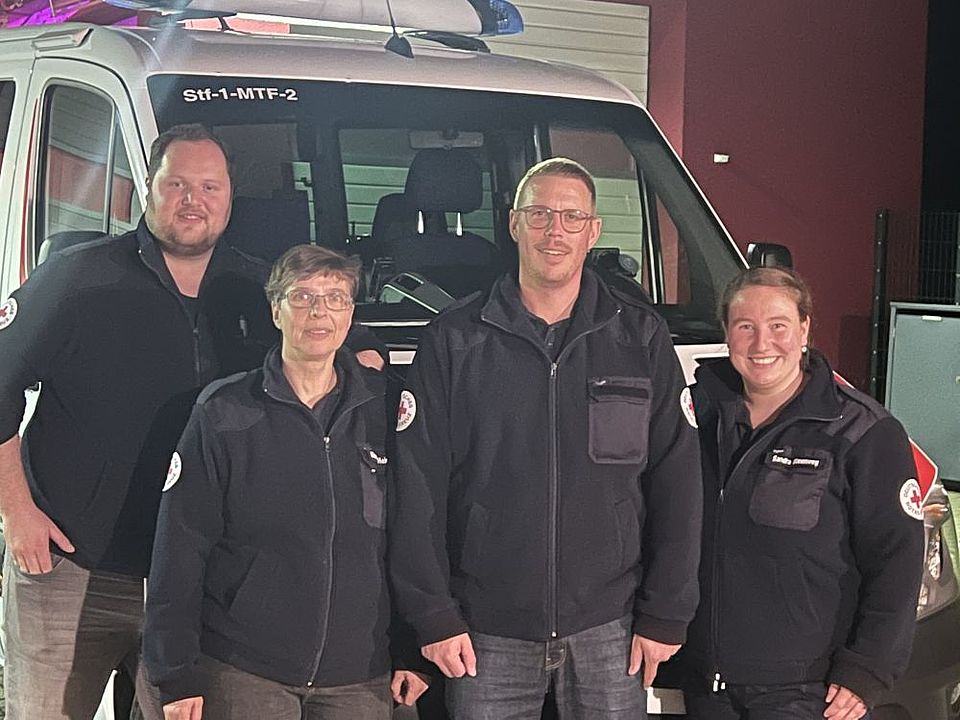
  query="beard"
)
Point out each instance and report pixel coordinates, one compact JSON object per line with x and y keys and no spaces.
{"x":177,"y":245}
{"x":173,"y":244}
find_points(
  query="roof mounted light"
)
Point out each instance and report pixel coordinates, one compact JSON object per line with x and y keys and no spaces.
{"x":498,"y":17}
{"x":157,"y":5}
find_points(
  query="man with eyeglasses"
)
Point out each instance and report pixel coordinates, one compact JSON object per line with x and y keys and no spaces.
{"x":121,"y":333}
{"x":545,"y":521}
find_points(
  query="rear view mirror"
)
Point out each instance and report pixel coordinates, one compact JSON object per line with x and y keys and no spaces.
{"x":769,"y":255}
{"x":445,"y":139}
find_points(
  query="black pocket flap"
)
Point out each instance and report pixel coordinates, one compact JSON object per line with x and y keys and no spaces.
{"x":627,"y":389}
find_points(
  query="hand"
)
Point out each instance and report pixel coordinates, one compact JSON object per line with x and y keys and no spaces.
{"x":454,"y":656}
{"x":371,"y":359}
{"x":650,"y":654}
{"x":190,"y":708}
{"x":842,"y":704}
{"x":28,"y":532}
{"x":407,"y":686}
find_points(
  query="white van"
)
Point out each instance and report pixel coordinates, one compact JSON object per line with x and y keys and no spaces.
{"x":345,"y":143}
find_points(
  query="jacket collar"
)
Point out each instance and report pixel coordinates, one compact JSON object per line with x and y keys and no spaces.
{"x":356,"y":386}
{"x":149,"y":249}
{"x":820,"y":398}
{"x":594,"y":307}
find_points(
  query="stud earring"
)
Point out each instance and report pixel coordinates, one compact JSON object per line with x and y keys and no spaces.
{"x":804,"y":349}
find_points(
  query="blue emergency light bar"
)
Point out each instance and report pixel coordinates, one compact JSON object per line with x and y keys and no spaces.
{"x":498,"y":17}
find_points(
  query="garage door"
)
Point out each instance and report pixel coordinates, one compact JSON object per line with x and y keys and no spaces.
{"x":607,"y":37}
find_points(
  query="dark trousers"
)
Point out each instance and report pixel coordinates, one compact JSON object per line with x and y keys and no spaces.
{"x":233,"y":694}
{"x":587,"y":671}
{"x":800,"y":701}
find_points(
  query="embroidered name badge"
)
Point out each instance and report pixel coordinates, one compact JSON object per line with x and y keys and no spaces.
{"x":8,"y":311}
{"x":407,"y":410}
{"x":780,"y":459}
{"x":911,"y":499}
{"x":173,"y":472}
{"x":686,"y":405}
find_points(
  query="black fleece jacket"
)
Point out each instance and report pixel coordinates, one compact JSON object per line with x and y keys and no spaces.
{"x":812,"y":552}
{"x":103,"y":327}
{"x":537,"y":498}
{"x":121,"y":359}
{"x":270,"y":542}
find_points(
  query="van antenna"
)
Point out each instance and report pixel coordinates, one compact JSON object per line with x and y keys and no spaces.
{"x":396,"y":43}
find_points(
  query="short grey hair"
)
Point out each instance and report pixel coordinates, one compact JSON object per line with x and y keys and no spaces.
{"x":304,"y":261}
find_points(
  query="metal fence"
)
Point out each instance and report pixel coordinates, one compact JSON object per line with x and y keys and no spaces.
{"x":916,"y":259}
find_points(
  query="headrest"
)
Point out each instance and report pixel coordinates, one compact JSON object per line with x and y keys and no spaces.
{"x":394,"y":214}
{"x":64,"y":239}
{"x":268,"y":227}
{"x":444,"y":180}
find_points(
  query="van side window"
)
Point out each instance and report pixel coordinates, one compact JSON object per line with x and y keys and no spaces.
{"x":86,"y":183}
{"x":125,"y":206}
{"x":6,"y":109}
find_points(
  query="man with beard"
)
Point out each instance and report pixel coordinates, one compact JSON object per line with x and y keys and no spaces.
{"x":121,"y":333}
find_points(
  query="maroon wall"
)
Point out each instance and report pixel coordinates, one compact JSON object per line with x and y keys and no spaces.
{"x":820,"y":106}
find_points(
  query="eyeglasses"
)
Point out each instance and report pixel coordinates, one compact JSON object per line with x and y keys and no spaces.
{"x":540,"y":217}
{"x":335,"y":301}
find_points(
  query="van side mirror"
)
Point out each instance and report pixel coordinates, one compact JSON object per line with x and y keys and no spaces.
{"x":769,"y":255}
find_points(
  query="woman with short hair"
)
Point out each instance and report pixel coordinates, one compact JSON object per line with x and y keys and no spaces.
{"x":267,"y":595}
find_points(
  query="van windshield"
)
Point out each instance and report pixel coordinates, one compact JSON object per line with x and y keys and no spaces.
{"x":418,"y":182}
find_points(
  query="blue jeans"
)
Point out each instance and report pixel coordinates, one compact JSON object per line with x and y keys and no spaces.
{"x":798,"y":701}
{"x":587,"y":671}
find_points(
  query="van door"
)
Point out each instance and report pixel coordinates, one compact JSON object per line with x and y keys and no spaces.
{"x":87,"y":170}
{"x":14,"y":78}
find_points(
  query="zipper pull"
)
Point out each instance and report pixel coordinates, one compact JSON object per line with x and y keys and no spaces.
{"x":553,"y":370}
{"x":718,"y":684}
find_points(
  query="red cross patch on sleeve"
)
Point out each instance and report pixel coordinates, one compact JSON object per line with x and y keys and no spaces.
{"x":8,"y":311}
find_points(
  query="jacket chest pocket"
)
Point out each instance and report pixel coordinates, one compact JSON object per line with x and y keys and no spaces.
{"x":619,"y":410}
{"x":790,"y":487}
{"x":373,"y":470}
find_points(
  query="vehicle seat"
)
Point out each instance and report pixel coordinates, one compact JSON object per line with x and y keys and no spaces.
{"x":268,"y":227}
{"x":438,"y":182}
{"x":64,"y":239}
{"x":394,"y":216}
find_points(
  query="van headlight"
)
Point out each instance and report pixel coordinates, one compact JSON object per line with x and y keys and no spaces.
{"x":938,"y":587}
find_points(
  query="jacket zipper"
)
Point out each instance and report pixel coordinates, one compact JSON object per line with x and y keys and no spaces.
{"x":553,"y":612}
{"x":718,"y":683}
{"x":194,"y":328}
{"x":553,"y":493}
{"x":331,"y":536}
{"x":311,"y":679}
